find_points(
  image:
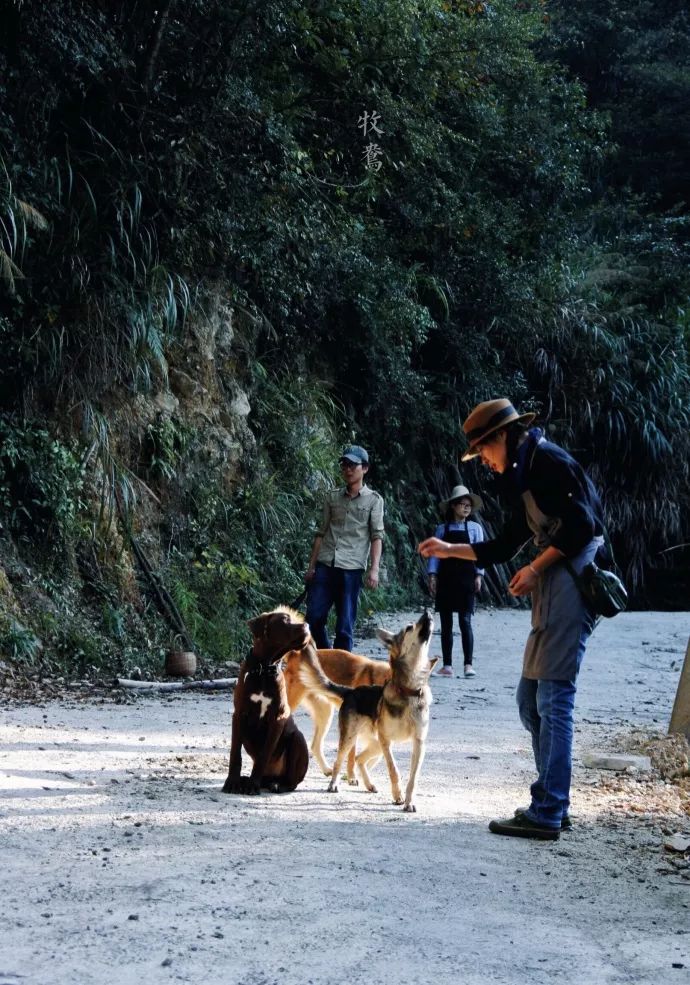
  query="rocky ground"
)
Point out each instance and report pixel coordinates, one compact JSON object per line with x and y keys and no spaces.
{"x":121,"y":861}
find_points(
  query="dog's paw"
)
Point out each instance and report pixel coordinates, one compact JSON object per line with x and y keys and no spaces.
{"x":333,"y":787}
{"x":410,"y":809}
{"x":398,"y":799}
{"x":353,"y":781}
{"x":233,"y":785}
{"x":372,"y":788}
{"x":328,"y":771}
{"x":252,"y":787}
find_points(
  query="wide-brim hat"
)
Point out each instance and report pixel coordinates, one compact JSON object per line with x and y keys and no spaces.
{"x":487,"y":418}
{"x":462,"y":492}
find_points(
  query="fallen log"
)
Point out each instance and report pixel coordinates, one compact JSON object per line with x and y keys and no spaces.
{"x":221,"y":684}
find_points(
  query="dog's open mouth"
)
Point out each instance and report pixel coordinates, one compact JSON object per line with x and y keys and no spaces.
{"x":425,"y":626}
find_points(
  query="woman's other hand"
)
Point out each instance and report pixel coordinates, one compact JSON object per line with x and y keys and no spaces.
{"x":523,"y":582}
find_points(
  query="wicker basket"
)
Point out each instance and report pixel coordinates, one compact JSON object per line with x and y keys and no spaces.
{"x":180,"y":663}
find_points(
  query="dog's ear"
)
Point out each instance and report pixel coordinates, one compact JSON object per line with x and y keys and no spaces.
{"x":386,"y":637}
{"x":432,"y":664}
{"x":257,"y":625}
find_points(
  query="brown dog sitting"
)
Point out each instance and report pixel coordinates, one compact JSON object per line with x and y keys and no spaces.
{"x":261,"y":721}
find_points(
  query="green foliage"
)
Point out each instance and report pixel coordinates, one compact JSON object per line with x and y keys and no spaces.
{"x":77,"y":648}
{"x":525,"y":235}
{"x":19,"y":643}
{"x":212,"y":594}
{"x":41,"y":481}
{"x":634,"y":59}
{"x":165,"y":444}
{"x":245,"y":552}
{"x":114,"y":622}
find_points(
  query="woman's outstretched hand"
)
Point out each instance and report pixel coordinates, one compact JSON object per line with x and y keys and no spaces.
{"x":433,"y":547}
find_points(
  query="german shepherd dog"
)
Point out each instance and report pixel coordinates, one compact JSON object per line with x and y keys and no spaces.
{"x":397,"y":711}
{"x":341,"y":667}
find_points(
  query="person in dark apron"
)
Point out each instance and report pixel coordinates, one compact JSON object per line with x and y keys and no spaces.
{"x":453,"y":582}
{"x":554,"y":503}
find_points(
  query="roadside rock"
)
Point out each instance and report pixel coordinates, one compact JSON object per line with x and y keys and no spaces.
{"x":616,"y":761}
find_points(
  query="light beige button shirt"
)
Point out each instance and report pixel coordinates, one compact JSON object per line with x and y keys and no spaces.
{"x":348,"y":526}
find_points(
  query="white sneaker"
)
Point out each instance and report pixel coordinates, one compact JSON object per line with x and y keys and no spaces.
{"x":470,"y":671}
{"x":445,"y":671}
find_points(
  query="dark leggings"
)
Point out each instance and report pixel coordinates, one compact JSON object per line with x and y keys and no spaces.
{"x":465,"y":624}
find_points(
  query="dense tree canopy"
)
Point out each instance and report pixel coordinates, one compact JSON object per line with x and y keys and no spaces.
{"x":407,"y":206}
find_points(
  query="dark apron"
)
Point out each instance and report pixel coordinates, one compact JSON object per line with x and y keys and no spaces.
{"x":455,"y":587}
{"x":559,"y":614}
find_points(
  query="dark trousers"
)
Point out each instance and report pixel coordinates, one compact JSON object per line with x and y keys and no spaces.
{"x":328,"y":587}
{"x":466,"y":634}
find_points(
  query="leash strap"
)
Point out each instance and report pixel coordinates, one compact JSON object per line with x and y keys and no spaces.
{"x":299,"y":600}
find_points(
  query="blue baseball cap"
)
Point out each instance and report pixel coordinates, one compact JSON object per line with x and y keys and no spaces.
{"x":355,"y":453}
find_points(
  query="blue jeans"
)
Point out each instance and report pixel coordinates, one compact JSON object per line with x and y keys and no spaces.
{"x":546,"y":710}
{"x":339,"y":587}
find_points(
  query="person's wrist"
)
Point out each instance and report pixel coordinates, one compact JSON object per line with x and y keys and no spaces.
{"x":533,"y":570}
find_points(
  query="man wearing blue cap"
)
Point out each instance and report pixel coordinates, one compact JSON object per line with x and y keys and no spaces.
{"x":351,"y":527}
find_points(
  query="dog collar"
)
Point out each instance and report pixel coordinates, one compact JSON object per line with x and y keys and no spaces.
{"x":408,"y":692}
{"x":263,"y":670}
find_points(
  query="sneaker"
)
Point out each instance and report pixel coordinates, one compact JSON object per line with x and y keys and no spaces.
{"x":445,"y":671}
{"x":520,"y":826}
{"x":566,"y":820}
{"x":470,"y":671}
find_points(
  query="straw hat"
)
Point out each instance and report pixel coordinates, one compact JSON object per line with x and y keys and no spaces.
{"x":488,"y":417}
{"x":462,"y":492}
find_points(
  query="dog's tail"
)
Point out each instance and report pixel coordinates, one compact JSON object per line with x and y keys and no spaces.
{"x":312,"y":676}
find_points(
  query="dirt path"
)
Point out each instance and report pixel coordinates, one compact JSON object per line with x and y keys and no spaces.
{"x":121,"y":862}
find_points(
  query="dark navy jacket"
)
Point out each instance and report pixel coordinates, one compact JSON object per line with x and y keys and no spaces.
{"x":561,"y":489}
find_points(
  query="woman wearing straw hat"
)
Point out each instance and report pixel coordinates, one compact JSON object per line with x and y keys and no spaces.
{"x":454,"y":583}
{"x":553,"y":502}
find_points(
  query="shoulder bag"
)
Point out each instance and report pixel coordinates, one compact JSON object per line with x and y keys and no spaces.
{"x":602,"y":590}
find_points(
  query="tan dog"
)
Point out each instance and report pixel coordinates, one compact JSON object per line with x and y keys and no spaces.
{"x":339,"y":666}
{"x":380,"y":715}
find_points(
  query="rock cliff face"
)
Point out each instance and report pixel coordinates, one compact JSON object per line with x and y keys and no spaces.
{"x":190,"y":434}
{"x":206,"y":383}
{"x":200,"y":419}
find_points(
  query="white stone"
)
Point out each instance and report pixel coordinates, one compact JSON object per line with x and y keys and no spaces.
{"x":615,"y":761}
{"x":678,"y":842}
{"x":239,"y":406}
